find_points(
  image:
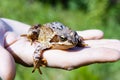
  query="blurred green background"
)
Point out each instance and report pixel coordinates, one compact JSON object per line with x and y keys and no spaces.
{"x":78,"y":15}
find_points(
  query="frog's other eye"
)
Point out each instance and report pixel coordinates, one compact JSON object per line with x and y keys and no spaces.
{"x":63,"y":38}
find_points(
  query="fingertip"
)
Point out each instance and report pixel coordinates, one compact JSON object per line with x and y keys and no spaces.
{"x":91,"y":34}
{"x":115,"y":56}
{"x":107,"y":55}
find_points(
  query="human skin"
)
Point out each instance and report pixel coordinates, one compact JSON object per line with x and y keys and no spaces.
{"x":14,"y":48}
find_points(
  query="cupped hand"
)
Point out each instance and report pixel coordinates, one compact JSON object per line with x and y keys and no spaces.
{"x":104,"y":50}
{"x":97,"y":50}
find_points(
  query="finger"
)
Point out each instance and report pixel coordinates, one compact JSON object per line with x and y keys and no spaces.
{"x":22,"y":51}
{"x":73,"y":59}
{"x":15,"y":26}
{"x":9,"y":38}
{"x":7,"y":65}
{"x":91,"y":34}
{"x":108,"y":43}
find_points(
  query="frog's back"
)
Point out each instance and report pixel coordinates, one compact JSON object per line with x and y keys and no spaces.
{"x":45,"y":34}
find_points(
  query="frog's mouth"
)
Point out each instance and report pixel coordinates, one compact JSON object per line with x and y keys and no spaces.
{"x":62,"y":42}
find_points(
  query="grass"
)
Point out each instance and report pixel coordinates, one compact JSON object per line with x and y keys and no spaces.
{"x":36,"y":12}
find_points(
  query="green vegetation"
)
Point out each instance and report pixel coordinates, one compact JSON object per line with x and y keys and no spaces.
{"x":79,"y":15}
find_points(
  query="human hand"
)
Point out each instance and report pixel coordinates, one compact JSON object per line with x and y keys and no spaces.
{"x":22,"y":51}
{"x":104,"y":50}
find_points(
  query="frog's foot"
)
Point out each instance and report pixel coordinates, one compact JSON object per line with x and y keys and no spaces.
{"x":30,"y":40}
{"x":37,"y":62}
{"x":84,"y":45}
{"x":44,"y":62}
{"x":81,"y":42}
{"x":37,"y":66}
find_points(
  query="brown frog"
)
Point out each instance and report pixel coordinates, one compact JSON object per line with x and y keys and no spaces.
{"x":52,"y":36}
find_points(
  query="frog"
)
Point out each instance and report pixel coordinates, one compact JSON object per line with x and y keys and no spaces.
{"x":53,"y":35}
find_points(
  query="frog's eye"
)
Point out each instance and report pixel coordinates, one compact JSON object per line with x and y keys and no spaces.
{"x":63,"y":38}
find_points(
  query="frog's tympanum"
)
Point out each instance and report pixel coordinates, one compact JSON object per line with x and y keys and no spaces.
{"x":51,"y":36}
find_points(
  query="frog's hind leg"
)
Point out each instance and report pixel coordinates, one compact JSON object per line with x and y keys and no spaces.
{"x":38,"y":59}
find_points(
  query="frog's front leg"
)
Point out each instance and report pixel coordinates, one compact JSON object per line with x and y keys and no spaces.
{"x":81,"y":42}
{"x":38,"y":59}
{"x":29,"y":39}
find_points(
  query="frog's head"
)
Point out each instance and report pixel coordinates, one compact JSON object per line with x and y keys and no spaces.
{"x":64,"y":37}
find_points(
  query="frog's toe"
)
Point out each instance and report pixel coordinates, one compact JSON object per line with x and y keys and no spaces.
{"x":44,"y":61}
{"x":37,"y":66}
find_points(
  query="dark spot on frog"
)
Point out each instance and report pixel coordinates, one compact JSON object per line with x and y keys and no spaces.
{"x":60,"y":27}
